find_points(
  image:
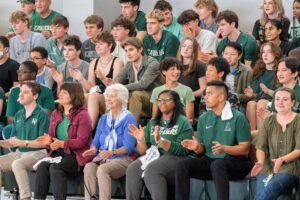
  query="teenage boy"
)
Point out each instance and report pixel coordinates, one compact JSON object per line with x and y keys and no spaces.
{"x":140,"y":76}
{"x":93,"y":26}
{"x":130,"y":10}
{"x":30,"y":122}
{"x":55,"y":47}
{"x":159,"y":43}
{"x":25,"y":39}
{"x":228,"y":26}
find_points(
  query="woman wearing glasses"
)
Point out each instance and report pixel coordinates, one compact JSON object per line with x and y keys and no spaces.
{"x":159,"y":142}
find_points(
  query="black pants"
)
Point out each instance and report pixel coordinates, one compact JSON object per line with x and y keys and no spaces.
{"x":57,"y":174}
{"x":220,"y":170}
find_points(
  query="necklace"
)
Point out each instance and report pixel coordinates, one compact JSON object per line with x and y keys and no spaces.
{"x":104,"y":64}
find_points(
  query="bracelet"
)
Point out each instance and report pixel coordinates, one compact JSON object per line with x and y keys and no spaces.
{"x":197,"y":149}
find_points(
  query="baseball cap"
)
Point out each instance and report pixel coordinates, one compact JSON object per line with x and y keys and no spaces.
{"x":26,"y":1}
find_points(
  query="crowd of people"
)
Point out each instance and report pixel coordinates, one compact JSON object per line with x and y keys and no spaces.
{"x":157,"y":98}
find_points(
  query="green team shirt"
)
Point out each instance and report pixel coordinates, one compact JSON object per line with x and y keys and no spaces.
{"x":267,"y":78}
{"x":39,"y":24}
{"x":230,"y":132}
{"x":185,"y":93}
{"x":180,"y":131}
{"x":140,"y":22}
{"x":31,"y":127}
{"x":296,"y":107}
{"x":54,"y":53}
{"x":62,"y":128}
{"x":166,"y":47}
{"x":248,"y":43}
{"x":45,"y":99}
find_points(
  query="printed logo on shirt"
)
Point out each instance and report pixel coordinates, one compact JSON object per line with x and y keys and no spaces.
{"x":208,"y":127}
{"x":34,"y":121}
{"x":166,"y":131}
{"x":227,"y":127}
{"x":156,"y":53}
{"x":42,"y":28}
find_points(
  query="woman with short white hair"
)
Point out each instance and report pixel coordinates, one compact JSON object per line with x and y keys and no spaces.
{"x":113,"y":146}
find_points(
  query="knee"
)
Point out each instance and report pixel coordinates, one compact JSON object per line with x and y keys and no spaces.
{"x":17,"y":165}
{"x":251,"y":105}
{"x":102,"y":171}
{"x":135,"y":95}
{"x":217,"y":166}
{"x":54,"y":171}
{"x":88,"y":170}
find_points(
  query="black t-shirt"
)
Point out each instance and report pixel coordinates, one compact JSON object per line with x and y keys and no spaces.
{"x":8,"y":74}
{"x":285,"y":47}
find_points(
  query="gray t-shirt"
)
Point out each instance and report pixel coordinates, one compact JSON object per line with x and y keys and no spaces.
{"x":207,"y":40}
{"x":83,"y":67}
{"x":20,"y":51}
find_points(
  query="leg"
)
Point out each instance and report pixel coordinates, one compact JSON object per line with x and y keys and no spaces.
{"x":90,"y":180}
{"x":260,"y":104}
{"x":228,"y":168}
{"x":279,"y":184}
{"x":6,"y":162}
{"x":112,"y":170}
{"x":159,"y":175}
{"x":96,"y":107}
{"x":251,"y":114}
{"x":139,"y":104}
{"x":59,"y":173}
{"x":134,"y":181}
{"x":21,"y":166}
{"x":187,"y":169}
{"x":42,"y":181}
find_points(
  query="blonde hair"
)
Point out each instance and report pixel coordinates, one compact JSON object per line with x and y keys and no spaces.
{"x":209,"y":4}
{"x":156,"y":14}
{"x":19,"y":15}
{"x":278,"y":8}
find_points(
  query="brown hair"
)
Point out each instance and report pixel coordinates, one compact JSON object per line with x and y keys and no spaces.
{"x":133,"y":41}
{"x":229,"y":16}
{"x":75,"y":91}
{"x":106,"y":37}
{"x":94,"y":19}
{"x":125,"y":23}
{"x":19,"y":15}
{"x":34,"y":87}
{"x":193,"y":61}
{"x":209,"y":4}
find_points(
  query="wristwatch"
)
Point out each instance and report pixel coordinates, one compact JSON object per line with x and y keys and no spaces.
{"x":114,"y":152}
{"x":26,"y":143}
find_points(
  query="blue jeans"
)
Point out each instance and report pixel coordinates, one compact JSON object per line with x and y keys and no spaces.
{"x":279,"y":184}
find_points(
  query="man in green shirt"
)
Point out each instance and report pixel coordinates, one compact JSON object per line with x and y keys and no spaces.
{"x":159,"y":43}
{"x":223,"y":145}
{"x":27,"y":72}
{"x":30,"y":123}
{"x":42,"y":21}
{"x":228,"y":25}
{"x":130,"y":10}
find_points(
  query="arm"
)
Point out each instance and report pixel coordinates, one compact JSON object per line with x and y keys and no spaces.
{"x":189,"y":111}
{"x":118,"y":67}
{"x":241,"y":149}
{"x":154,"y":110}
{"x":129,"y":142}
{"x":202,"y":83}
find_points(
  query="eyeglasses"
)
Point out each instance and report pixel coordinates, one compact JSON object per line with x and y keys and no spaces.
{"x":36,"y":58}
{"x":22,"y":72}
{"x":166,"y":100}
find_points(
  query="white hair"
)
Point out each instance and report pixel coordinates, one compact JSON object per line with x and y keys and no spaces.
{"x":121,"y":91}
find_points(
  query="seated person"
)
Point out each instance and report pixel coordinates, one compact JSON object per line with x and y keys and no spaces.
{"x":113,"y":146}
{"x":159,"y":142}
{"x":39,"y":56}
{"x":277,"y":143}
{"x":69,"y":135}
{"x":217,"y":70}
{"x":159,"y":43}
{"x":140,"y":76}
{"x":30,"y":122}
{"x":93,"y":25}
{"x":240,"y":76}
{"x":222,"y":146}
{"x":171,"y":70}
{"x":27,"y":72}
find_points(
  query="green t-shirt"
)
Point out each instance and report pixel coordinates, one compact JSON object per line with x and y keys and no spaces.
{"x":296,"y":107}
{"x":248,"y":43}
{"x":45,"y":99}
{"x":166,"y":47}
{"x":185,"y":93}
{"x":54,"y":53}
{"x":175,"y":28}
{"x":180,"y":131}
{"x":39,"y":24}
{"x":31,"y":127}
{"x":140,"y":22}
{"x":62,"y":128}
{"x":227,"y":132}
{"x":267,"y":78}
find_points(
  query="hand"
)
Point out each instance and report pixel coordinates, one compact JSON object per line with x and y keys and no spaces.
{"x":56,"y":144}
{"x":156,"y":134}
{"x":264,"y":88}
{"x":45,"y":139}
{"x":137,"y":133}
{"x":56,"y":75}
{"x":108,"y":81}
{"x":15,"y":142}
{"x":104,"y":155}
{"x":256,"y":169}
{"x":249,"y":92}
{"x":187,"y":31}
{"x":46,"y":34}
{"x":277,"y":164}
{"x":50,"y":63}
{"x":263,"y":113}
{"x":76,"y":74}
{"x":89,"y":152}
{"x":205,"y":57}
{"x":217,"y":148}
{"x":10,"y":35}
{"x":190,"y":144}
